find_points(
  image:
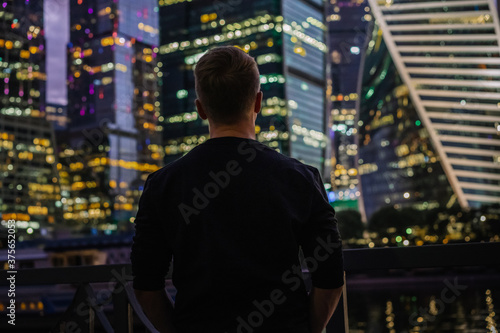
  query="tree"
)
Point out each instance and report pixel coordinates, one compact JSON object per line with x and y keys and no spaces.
{"x":350,"y":224}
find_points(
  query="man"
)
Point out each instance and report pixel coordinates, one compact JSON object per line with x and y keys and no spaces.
{"x":233,"y":213}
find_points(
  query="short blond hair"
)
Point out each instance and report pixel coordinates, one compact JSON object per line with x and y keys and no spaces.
{"x":227,"y":81}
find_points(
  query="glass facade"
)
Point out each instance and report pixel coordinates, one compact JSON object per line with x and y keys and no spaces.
{"x":112,"y":141}
{"x":287,"y":40}
{"x":29,"y":185}
{"x":398,"y":165}
{"x":57,"y":115}
{"x":448,"y":55}
{"x":348,"y":23}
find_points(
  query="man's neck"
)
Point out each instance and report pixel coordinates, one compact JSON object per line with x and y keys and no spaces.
{"x":246,"y":131}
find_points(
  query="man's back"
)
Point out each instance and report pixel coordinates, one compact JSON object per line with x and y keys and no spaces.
{"x":233,"y":213}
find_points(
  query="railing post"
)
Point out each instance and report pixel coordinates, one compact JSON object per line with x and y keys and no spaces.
{"x":91,"y":320}
{"x":122,"y":311}
{"x":135,"y":306}
{"x":346,"y":313}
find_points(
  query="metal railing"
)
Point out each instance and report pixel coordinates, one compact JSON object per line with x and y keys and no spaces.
{"x":88,"y":310}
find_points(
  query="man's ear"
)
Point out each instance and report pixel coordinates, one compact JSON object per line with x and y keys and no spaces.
{"x":199,"y":108}
{"x":258,"y":102}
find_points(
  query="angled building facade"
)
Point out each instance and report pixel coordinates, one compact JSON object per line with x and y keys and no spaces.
{"x":287,"y":39}
{"x":442,"y":60}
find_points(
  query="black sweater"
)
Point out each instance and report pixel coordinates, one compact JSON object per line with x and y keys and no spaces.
{"x":233,"y":213}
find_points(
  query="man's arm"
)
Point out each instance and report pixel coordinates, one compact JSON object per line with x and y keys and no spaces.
{"x":150,"y":258}
{"x":322,"y":304}
{"x":158,"y":307}
{"x":321,"y":242}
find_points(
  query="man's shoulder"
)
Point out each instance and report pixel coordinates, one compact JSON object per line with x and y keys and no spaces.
{"x":248,"y":150}
{"x":167,"y":169}
{"x":291,"y":167}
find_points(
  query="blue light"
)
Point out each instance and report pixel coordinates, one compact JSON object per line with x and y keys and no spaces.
{"x":331,"y":197}
{"x":355,"y":50}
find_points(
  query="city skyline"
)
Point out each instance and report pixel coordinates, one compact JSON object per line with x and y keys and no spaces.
{"x":57,"y":14}
{"x":284,"y":75}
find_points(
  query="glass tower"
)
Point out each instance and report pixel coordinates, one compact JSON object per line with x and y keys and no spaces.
{"x":441,"y":60}
{"x":287,"y":39}
{"x":112,"y":142}
{"x":396,"y":162}
{"x":348,"y":24}
{"x":29,"y":185}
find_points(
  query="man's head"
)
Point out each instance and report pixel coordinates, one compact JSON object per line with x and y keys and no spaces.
{"x":228,"y":85}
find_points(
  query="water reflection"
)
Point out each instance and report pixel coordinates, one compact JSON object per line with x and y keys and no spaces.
{"x":423,"y":304}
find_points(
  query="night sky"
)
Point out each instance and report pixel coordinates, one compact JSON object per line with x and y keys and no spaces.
{"x":57,"y":37}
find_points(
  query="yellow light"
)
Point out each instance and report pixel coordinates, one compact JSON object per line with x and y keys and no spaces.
{"x":107,"y":41}
{"x":112,"y":184}
{"x":204,"y":18}
{"x":78,"y":27}
{"x":77,"y":74}
{"x":25,"y":54}
{"x":257,"y":129}
{"x":300,"y":50}
{"x":33,"y":49}
{"x":37,"y":210}
{"x":9,"y":45}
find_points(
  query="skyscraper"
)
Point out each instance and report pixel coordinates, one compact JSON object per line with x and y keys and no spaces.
{"x":287,"y":39}
{"x":430,"y":101}
{"x":112,"y":141}
{"x":29,"y":186}
{"x":347,"y":25}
